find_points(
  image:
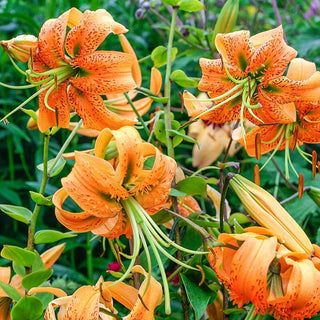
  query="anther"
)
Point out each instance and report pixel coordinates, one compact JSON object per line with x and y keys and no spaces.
{"x":318,"y":165}
{"x":57,"y":115}
{"x":203,"y":276}
{"x":300,"y":186}
{"x":256,"y":175}
{"x":257,"y":143}
{"x":314,"y":163}
{"x":56,"y":82}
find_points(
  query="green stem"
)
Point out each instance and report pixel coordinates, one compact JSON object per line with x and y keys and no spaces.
{"x":37,"y":208}
{"x":89,"y":258}
{"x":65,"y":145}
{"x":137,"y":114}
{"x":167,"y":84}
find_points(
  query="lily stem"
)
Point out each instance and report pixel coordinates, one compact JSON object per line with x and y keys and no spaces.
{"x":37,"y":208}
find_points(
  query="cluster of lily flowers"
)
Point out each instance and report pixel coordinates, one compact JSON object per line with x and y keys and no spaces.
{"x":248,"y":83}
{"x":124,"y":181}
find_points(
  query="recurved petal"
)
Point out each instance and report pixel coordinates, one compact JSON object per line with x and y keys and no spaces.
{"x":114,"y":227}
{"x":104,"y":72}
{"x":93,"y":186}
{"x":194,"y":107}
{"x":93,"y":28}
{"x":84,"y":304}
{"x":5,"y":274}
{"x":126,"y":47}
{"x":267,"y":133}
{"x":150,"y":293}
{"x":285,"y":90}
{"x":58,"y":101}
{"x":235,"y":48}
{"x":301,"y":284}
{"x":5,"y":308}
{"x":92,"y":110}
{"x":50,"y":256}
{"x":300,"y":69}
{"x":249,"y":270}
{"x":272,"y":56}
{"x":214,"y":76}
{"x":309,"y":132}
{"x":51,"y":40}
{"x":79,"y":221}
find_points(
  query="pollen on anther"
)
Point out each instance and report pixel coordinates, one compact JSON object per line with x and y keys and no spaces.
{"x":256,"y":175}
{"x":257,"y":143}
{"x":301,"y":185}
{"x":314,"y":163}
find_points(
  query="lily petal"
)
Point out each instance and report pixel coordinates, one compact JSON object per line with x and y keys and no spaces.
{"x":94,"y":27}
{"x":104,"y":72}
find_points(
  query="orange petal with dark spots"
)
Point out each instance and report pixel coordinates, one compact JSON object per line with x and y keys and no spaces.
{"x":93,"y":28}
{"x":93,"y":112}
{"x":235,"y":49}
{"x":104,"y":72}
{"x":58,"y":101}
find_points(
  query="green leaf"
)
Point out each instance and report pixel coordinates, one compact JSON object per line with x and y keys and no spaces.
{"x":160,"y":99}
{"x":171,"y":2}
{"x":192,"y":186}
{"x":40,"y":199}
{"x":18,"y":213}
{"x":18,"y":255}
{"x":34,"y":279}
{"x":183,"y":136}
{"x":160,"y":132}
{"x":239,"y":218}
{"x":198,"y":298}
{"x":191,"y":5}
{"x":56,"y":169}
{"x":49,"y":236}
{"x":31,"y":113}
{"x":12,"y":292}
{"x":179,"y":77}
{"x":177,"y":193}
{"x":159,"y":56}
{"x":27,"y":308}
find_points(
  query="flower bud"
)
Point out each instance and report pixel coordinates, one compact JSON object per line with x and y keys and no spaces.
{"x":20,"y":47}
{"x":268,"y":212}
{"x":226,"y":20}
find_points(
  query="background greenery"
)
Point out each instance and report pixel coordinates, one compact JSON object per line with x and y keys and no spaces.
{"x":21,"y":149}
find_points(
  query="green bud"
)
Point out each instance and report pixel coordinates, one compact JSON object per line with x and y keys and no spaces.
{"x":227,"y":19}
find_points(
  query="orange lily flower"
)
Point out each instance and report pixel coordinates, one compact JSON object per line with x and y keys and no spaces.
{"x":304,"y":127}
{"x":99,"y":186}
{"x":95,"y":302}
{"x":255,"y":268}
{"x":73,"y":75}
{"x":240,"y":80}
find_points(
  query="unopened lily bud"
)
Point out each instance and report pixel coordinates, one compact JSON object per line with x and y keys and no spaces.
{"x":20,"y":47}
{"x":50,"y":256}
{"x":269,"y":213}
{"x":226,"y":20}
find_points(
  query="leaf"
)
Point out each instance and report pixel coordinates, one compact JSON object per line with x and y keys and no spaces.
{"x":160,"y":132}
{"x":177,"y":193}
{"x":193,"y":185}
{"x":31,"y":113}
{"x":49,"y":236}
{"x":34,"y":279}
{"x":159,"y":56}
{"x":18,"y":213}
{"x":239,"y":218}
{"x":191,"y":5}
{"x":171,"y":2}
{"x":183,"y":136}
{"x":40,"y":199}
{"x":56,"y":169}
{"x":18,"y":255}
{"x":198,"y":298}
{"x":179,"y":77}
{"x":12,"y":292}
{"x":27,"y":308}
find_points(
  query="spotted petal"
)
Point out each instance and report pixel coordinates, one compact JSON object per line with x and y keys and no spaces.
{"x":94,"y":27}
{"x":104,"y":72}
